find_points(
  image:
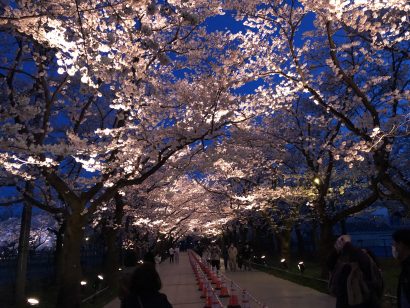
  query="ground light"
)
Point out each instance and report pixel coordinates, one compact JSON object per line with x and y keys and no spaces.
{"x":83,"y":284}
{"x":316,"y":181}
{"x":33,"y":301}
{"x":284,"y":263}
{"x":98,"y":282}
{"x":120,"y":268}
{"x":301,"y":267}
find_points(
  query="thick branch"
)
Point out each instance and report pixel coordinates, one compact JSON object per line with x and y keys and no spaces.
{"x":40,"y":205}
{"x":356,"y":208}
{"x":348,"y":80}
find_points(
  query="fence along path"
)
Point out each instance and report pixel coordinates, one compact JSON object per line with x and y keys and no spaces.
{"x":182,"y":291}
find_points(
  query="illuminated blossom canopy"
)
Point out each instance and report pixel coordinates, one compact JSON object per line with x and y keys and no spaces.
{"x":101,"y":99}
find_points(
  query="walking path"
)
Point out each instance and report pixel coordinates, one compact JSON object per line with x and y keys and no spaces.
{"x":276,"y":292}
{"x":180,"y":287}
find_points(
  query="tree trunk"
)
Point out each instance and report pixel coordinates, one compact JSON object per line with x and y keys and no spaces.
{"x":59,"y":254}
{"x":111,"y":263}
{"x":112,"y":259}
{"x":69,"y":292}
{"x":314,"y":238}
{"x":301,"y":245}
{"x":325,"y":245}
{"x":23,"y":251}
{"x":284,"y":238}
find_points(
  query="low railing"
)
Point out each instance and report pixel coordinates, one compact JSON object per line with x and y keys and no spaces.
{"x":237,"y":286}
{"x":92,"y":296}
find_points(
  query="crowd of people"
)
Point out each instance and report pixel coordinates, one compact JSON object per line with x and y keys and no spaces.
{"x":233,"y":258}
{"x":356,"y":279}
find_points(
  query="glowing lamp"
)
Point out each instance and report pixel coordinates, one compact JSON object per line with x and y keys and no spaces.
{"x":301,"y":267}
{"x":120,"y":268}
{"x":100,"y":277}
{"x":87,"y":238}
{"x":33,"y":301}
{"x":316,"y":181}
{"x":83,"y":282}
{"x":284,"y":263}
{"x":263,"y":257}
{"x":140,"y":262}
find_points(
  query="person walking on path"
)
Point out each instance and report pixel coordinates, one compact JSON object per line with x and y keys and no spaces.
{"x":206,"y":255}
{"x":239,"y":259}
{"x":247,"y":256}
{"x":355,"y":279}
{"x":143,"y":289}
{"x":225,"y":256}
{"x":233,"y":253}
{"x":401,"y":252}
{"x":216,"y":256}
{"x":171,"y":255}
{"x":176,"y":255}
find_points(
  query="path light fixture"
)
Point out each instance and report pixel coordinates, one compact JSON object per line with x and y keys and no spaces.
{"x":87,"y":238}
{"x":33,"y":301}
{"x":83,"y":284}
{"x":263,"y":261}
{"x":284,"y":263}
{"x":98,"y":282}
{"x":120,"y":268}
{"x":301,"y":267}
{"x":316,"y":180}
{"x":141,"y":262}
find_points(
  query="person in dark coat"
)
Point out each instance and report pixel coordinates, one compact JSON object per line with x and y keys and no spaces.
{"x":339,"y":262}
{"x":216,"y":256}
{"x":149,"y":257}
{"x":247,"y":252}
{"x":401,"y":251}
{"x":225,"y":256}
{"x":143,"y":290}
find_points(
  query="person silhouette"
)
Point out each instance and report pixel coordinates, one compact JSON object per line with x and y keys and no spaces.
{"x":143,"y":289}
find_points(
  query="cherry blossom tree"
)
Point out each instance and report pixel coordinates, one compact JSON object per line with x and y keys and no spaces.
{"x":100,"y":96}
{"x":178,"y":207}
{"x":290,"y":167}
{"x":313,"y":170}
{"x":101,"y":109}
{"x":352,"y":63}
